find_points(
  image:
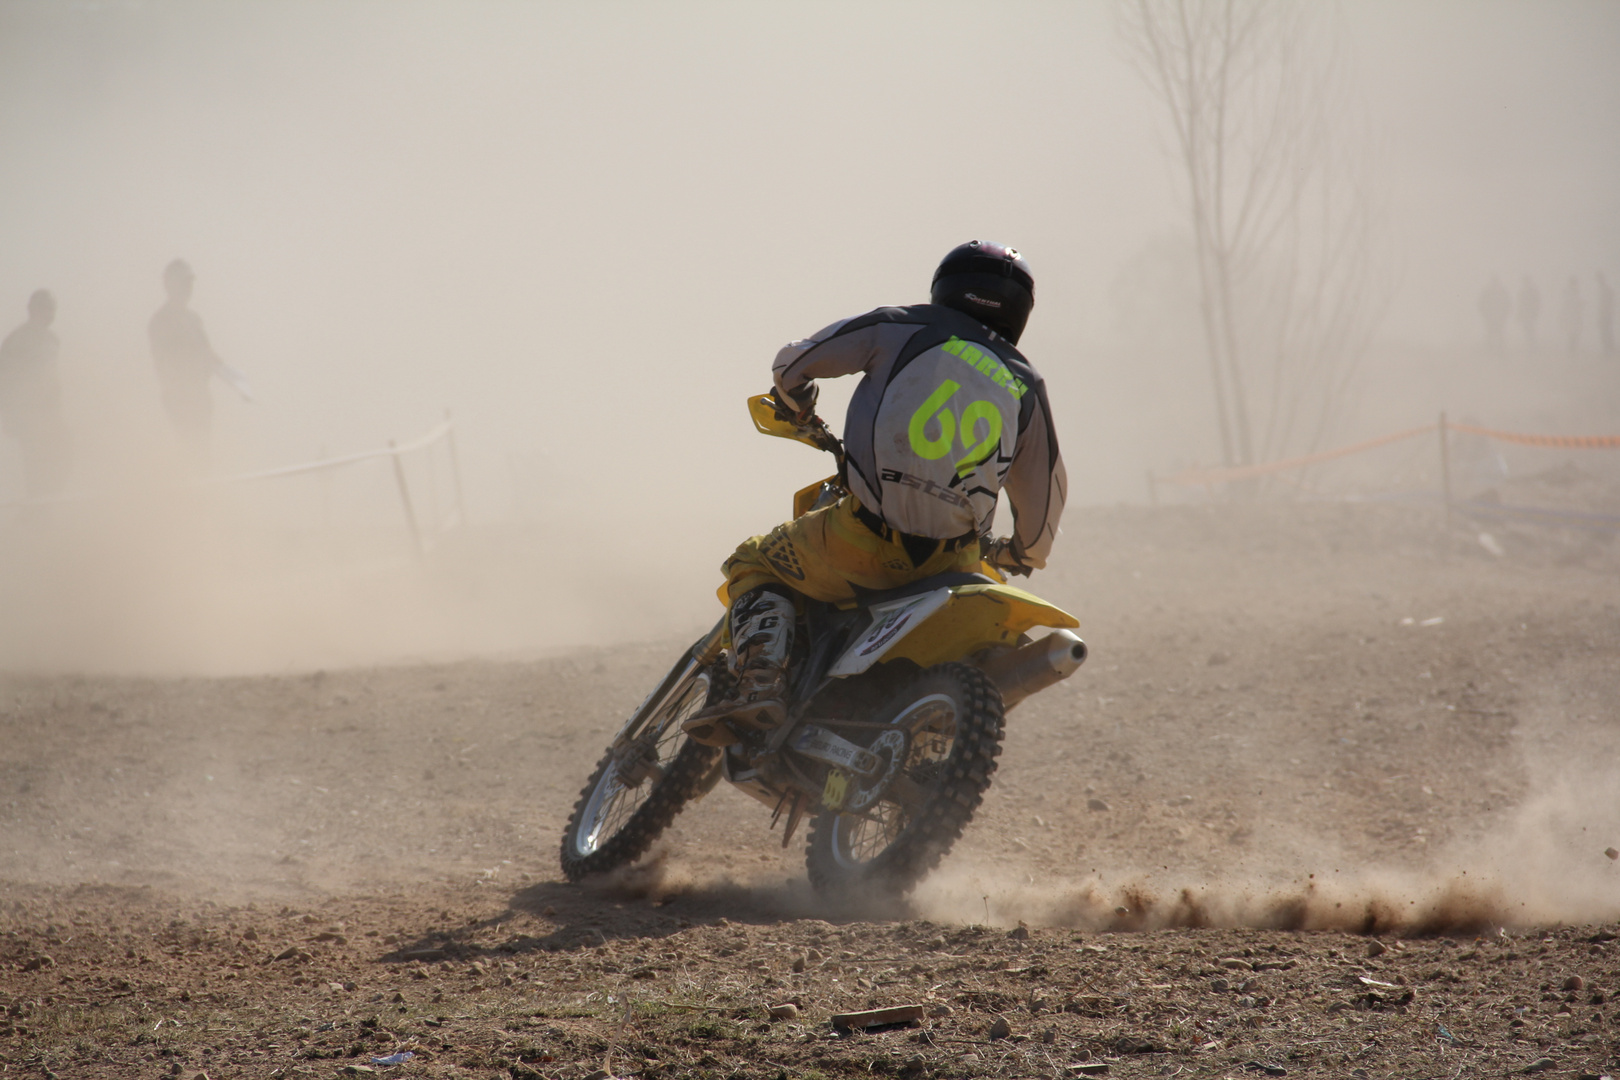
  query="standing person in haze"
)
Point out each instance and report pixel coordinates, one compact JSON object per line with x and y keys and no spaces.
{"x":1571,"y":315}
{"x":947,"y":414}
{"x":31,"y":398}
{"x":1605,"y":315}
{"x":1495,"y":305}
{"x":184,"y":360}
{"x":1529,"y":312}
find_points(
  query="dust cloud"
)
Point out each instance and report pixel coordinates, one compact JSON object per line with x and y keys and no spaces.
{"x":1543,"y":869}
{"x":581,"y":232}
{"x":1543,"y":866}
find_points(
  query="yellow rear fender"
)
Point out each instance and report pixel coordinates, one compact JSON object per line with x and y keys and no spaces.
{"x":948,"y":624}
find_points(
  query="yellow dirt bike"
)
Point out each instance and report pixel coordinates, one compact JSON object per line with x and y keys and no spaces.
{"x":894,"y":723}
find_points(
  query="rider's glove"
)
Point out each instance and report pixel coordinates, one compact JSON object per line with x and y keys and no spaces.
{"x":800,"y":406}
{"x":1001,"y":555}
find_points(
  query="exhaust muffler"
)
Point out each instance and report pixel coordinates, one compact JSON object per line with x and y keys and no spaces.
{"x":1031,"y":668}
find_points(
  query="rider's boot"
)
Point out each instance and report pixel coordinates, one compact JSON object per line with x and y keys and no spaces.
{"x":762,"y":640}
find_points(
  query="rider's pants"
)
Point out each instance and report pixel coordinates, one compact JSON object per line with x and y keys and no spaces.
{"x":826,"y":551}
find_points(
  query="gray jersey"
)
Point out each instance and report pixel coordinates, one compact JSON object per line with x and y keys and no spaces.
{"x":947,"y":415}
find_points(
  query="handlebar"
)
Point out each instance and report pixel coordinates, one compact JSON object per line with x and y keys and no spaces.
{"x":824,"y":438}
{"x":814,"y":427}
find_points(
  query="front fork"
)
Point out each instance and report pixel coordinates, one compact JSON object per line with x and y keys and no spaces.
{"x":635,"y":755}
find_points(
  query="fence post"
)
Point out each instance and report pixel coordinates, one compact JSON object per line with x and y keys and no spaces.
{"x":455,"y":470}
{"x":1445,"y":468}
{"x":405,"y":497}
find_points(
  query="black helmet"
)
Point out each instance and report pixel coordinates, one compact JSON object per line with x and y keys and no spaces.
{"x":988,"y":281}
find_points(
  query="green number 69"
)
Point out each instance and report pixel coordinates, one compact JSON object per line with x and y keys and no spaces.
{"x":936,"y":409}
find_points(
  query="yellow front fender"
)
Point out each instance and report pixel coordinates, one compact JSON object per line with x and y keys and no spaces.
{"x":977,"y":617}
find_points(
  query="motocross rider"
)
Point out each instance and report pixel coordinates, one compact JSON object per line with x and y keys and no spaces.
{"x":947,"y":414}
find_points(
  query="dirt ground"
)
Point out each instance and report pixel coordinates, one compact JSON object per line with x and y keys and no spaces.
{"x":1331,"y":798}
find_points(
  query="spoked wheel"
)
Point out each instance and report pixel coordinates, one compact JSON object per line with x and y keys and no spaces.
{"x":647,"y":777}
{"x":938,"y":754}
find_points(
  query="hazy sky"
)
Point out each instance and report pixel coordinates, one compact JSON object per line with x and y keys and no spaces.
{"x":1502,"y":128}
{"x":587,"y":227}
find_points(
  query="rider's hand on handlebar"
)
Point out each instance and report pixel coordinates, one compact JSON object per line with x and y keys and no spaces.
{"x":801,"y":407}
{"x":1000,"y":554}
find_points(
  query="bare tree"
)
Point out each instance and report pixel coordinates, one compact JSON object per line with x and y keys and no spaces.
{"x":1284,"y":219}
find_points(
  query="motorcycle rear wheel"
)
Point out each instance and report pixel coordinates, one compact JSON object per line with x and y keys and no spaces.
{"x":614,"y":822}
{"x":952,"y":718}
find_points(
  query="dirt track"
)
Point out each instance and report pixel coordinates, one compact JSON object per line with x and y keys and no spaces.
{"x":1275,"y":745}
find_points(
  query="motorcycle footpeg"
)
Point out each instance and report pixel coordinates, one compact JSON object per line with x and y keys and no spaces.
{"x":719,"y":725}
{"x":761,"y":716}
{"x":710,"y":731}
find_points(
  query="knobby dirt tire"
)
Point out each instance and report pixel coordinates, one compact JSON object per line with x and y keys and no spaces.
{"x":958,"y":783}
{"x":692,"y":772}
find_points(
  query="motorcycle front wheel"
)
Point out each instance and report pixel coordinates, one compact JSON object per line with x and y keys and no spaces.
{"x":943,"y":737}
{"x":643,"y":781}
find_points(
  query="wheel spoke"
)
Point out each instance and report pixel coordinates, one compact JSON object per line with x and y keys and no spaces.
{"x":872,"y":833}
{"x":907,"y":794}
{"x":939,"y":746}
{"x":930,"y":724}
{"x":614,"y":803}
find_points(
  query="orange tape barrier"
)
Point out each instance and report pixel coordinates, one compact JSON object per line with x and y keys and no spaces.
{"x":1562,"y":442}
{"x":1199,"y":477}
{"x":1203,"y":477}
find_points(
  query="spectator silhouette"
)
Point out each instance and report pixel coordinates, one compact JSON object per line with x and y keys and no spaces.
{"x":1495,"y":305}
{"x":184,"y":360}
{"x":1529,"y":311}
{"x":1571,"y":315}
{"x":1605,"y":315}
{"x":31,"y":398}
